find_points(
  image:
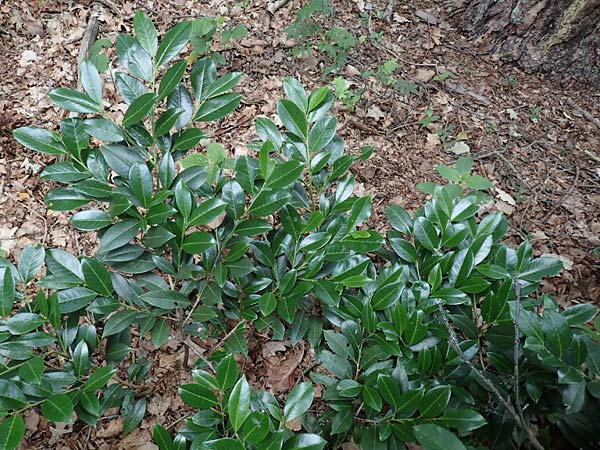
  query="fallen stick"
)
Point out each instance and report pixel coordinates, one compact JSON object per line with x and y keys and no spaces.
{"x":275,"y":6}
{"x":588,"y":115}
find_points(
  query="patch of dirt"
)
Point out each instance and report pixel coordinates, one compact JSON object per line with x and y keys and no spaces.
{"x":539,"y":144}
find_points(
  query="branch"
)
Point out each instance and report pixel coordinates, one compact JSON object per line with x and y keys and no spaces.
{"x":275,"y":6}
{"x":453,"y":341}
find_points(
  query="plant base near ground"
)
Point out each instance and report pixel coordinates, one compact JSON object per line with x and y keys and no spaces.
{"x":432,"y":335}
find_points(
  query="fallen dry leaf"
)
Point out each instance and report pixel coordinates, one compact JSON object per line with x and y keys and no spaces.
{"x":460,"y":148}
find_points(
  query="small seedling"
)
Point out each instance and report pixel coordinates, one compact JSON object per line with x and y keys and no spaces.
{"x":344,"y":94}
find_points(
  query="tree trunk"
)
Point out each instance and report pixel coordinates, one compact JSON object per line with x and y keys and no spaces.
{"x":560,"y":37}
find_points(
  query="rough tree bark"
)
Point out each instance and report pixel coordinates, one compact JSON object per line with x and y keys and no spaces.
{"x":561,"y":37}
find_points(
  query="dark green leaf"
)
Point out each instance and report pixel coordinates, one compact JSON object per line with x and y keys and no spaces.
{"x":73,"y":101}
{"x":23,"y":322}
{"x":166,"y":121}
{"x":65,"y":199}
{"x":426,"y":234}
{"x":575,"y":315}
{"x":58,"y":408}
{"x":284,"y":174}
{"x":140,"y":183}
{"x":145,"y":32}
{"x":197,"y":396}
{"x":118,"y":235}
{"x":96,"y":276}
{"x":90,"y":80}
{"x":557,"y":333}
{"x":252,"y":227}
{"x":217,"y":107}
{"x":238,"y":405}
{"x":293,"y":118}
{"x":540,"y":268}
{"x":296,"y":93}
{"x":197,"y":242}
{"x":162,"y":438}
{"x":321,"y":134}
{"x":372,"y":398}
{"x":435,"y":401}
{"x":256,"y":427}
{"x":31,"y":261}
{"x":463,"y":420}
{"x":90,"y":220}
{"x":267,"y":202}
{"x":207,"y":212}
{"x":40,"y":140}
{"x":434,"y":437}
{"x":223,"y":84}
{"x":298,"y":401}
{"x":303,"y":441}
{"x":173,"y":42}
{"x":103,"y":129}
{"x":133,"y":415}
{"x":189,"y":138}
{"x":130,"y":88}
{"x":133,"y":57}
{"x":139,"y":109}
{"x":171,"y":78}
{"x":32,"y":370}
{"x":99,"y":378}
{"x":203,"y":75}
{"x":119,"y":321}
{"x":399,"y":219}
{"x":221,"y":444}
{"x":12,"y":431}
{"x":181,"y":98}
{"x":7,"y":291}
{"x":64,"y":172}
{"x":227,"y":373}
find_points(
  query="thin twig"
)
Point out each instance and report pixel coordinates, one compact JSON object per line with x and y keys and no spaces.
{"x":227,"y":336}
{"x":275,"y":6}
{"x":564,"y":197}
{"x":453,"y":341}
{"x":516,"y":349}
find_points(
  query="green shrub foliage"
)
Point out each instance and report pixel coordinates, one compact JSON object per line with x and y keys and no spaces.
{"x":416,"y":334}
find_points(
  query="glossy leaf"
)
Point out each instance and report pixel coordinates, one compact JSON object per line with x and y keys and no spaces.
{"x":238,"y":405}
{"x":90,"y":80}
{"x":58,"y":408}
{"x":434,"y":437}
{"x":118,"y":235}
{"x":139,"y":109}
{"x":73,"y":101}
{"x":90,"y":220}
{"x":298,"y":401}
{"x":133,"y":57}
{"x":96,"y":276}
{"x":40,"y":140}
{"x":12,"y":431}
{"x":217,"y":107}
{"x":145,"y":32}
{"x":31,"y":261}
{"x":173,"y":42}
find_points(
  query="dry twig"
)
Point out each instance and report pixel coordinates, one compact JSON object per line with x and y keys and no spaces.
{"x":564,"y":197}
{"x":453,"y":341}
{"x":275,"y":6}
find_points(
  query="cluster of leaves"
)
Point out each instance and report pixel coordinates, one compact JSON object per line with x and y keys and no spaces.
{"x":276,"y":242}
{"x":204,"y":33}
{"x":344,"y":93}
{"x":306,"y":25}
{"x":231,"y":416}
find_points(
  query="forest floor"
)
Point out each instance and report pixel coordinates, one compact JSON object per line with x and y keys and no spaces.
{"x":537,"y":141}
